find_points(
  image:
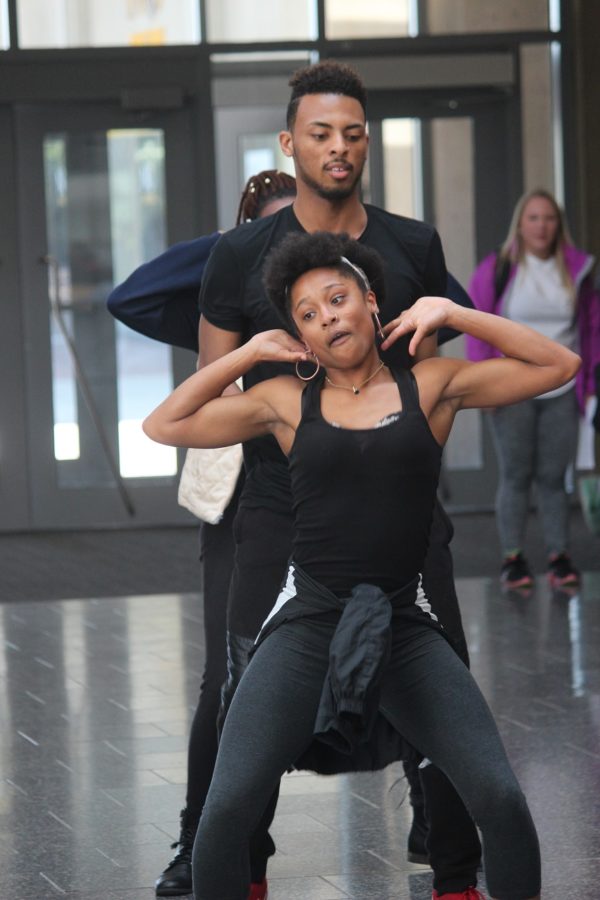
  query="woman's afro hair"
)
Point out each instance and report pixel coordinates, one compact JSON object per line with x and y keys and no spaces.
{"x":300,"y":253}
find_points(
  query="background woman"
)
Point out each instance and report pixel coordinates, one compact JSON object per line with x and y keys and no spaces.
{"x":364,"y":448}
{"x":540,"y":279}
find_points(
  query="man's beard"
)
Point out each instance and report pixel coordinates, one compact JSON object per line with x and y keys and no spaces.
{"x":335,"y":193}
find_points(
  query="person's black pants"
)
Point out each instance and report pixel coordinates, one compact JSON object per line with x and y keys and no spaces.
{"x":217,"y":553}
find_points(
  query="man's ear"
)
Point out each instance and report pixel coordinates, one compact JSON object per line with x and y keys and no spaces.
{"x":286,"y":143}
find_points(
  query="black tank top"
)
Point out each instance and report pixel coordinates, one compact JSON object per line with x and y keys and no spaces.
{"x":363,"y":498}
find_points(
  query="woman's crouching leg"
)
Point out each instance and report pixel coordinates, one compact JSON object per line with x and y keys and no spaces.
{"x":268,"y":726}
{"x":437,"y":706}
{"x":510,"y":842}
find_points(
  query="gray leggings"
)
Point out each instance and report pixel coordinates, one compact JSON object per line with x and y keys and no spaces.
{"x":535,"y":441}
{"x":432,"y":700}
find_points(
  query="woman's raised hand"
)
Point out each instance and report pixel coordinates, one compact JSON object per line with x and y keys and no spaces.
{"x":278,"y":346}
{"x":423,"y":317}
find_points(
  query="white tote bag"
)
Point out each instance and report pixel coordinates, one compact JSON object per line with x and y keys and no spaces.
{"x":208,"y":480}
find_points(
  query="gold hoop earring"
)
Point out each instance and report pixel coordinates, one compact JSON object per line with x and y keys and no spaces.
{"x":378,"y":327}
{"x":314,"y":374}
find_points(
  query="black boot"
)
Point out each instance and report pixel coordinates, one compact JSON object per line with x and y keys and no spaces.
{"x":177,"y":877}
{"x":417,"y":848}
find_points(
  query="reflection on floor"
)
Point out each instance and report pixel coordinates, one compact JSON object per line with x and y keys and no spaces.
{"x":95,"y":699}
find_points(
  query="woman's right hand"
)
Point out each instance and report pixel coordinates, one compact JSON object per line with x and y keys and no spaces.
{"x":278,"y":346}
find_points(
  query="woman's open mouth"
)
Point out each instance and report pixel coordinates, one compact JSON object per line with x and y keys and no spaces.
{"x":338,"y":338}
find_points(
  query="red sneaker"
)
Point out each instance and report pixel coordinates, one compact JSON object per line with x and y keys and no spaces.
{"x":471,"y":893}
{"x":258,"y":891}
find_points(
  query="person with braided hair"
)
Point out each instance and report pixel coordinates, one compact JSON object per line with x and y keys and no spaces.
{"x":160,"y":300}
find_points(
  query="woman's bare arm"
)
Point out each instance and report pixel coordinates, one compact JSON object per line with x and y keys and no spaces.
{"x":196,"y":415}
{"x":532,"y":364}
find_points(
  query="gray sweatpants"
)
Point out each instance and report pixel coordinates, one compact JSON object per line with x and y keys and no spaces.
{"x":431,"y":698}
{"x":535,"y":442}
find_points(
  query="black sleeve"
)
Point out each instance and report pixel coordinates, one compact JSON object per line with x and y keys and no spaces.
{"x":434,"y":276}
{"x":439,"y":283}
{"x":221,"y":295}
{"x":456,"y":292}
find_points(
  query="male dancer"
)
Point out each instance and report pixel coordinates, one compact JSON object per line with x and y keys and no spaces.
{"x":326,"y":137}
{"x":159,"y":300}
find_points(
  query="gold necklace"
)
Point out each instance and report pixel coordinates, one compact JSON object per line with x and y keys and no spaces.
{"x":355,"y":388}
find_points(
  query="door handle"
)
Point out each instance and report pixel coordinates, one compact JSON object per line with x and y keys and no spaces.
{"x":55,"y":307}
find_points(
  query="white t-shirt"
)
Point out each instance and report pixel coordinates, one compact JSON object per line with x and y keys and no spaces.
{"x":538,"y":298}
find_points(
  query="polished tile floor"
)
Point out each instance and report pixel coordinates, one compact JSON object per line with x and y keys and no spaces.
{"x":95,"y":701}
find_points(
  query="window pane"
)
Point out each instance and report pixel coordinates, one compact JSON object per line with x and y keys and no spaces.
{"x":536,"y":116}
{"x":402,"y":167}
{"x":105,"y":214}
{"x":4,"y":30}
{"x":453,"y":181}
{"x":465,"y":16}
{"x":138,"y":209}
{"x":111,"y":23}
{"x":377,"y":18}
{"x":262,"y":20}
{"x":262,"y":151}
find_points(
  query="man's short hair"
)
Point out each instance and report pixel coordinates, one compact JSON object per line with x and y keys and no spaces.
{"x":326,"y":77}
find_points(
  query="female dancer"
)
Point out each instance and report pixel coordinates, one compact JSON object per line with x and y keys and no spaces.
{"x":350,"y":650}
{"x":540,"y":279}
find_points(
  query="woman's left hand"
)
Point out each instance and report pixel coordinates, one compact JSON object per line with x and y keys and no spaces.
{"x":425,"y":316}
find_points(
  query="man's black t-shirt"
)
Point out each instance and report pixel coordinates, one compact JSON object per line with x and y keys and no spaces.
{"x":233,"y":298}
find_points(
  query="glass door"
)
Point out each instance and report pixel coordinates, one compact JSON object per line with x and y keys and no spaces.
{"x":431,"y":159}
{"x":94,"y":186}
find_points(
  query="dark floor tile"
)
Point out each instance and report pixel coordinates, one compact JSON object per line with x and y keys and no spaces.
{"x":97,"y":700}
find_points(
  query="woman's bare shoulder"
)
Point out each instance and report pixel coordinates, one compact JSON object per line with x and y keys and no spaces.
{"x":433,"y":375}
{"x":282,"y":394}
{"x":284,"y":386}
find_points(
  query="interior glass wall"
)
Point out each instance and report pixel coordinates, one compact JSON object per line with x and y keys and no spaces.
{"x":468,"y":16}
{"x":111,"y":23}
{"x":348,"y":19}
{"x":86,"y":23}
{"x":261,"y":20}
{"x":378,"y":18}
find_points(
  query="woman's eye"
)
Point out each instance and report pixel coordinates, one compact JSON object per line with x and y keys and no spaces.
{"x":337,"y":299}
{"x":307,"y":316}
